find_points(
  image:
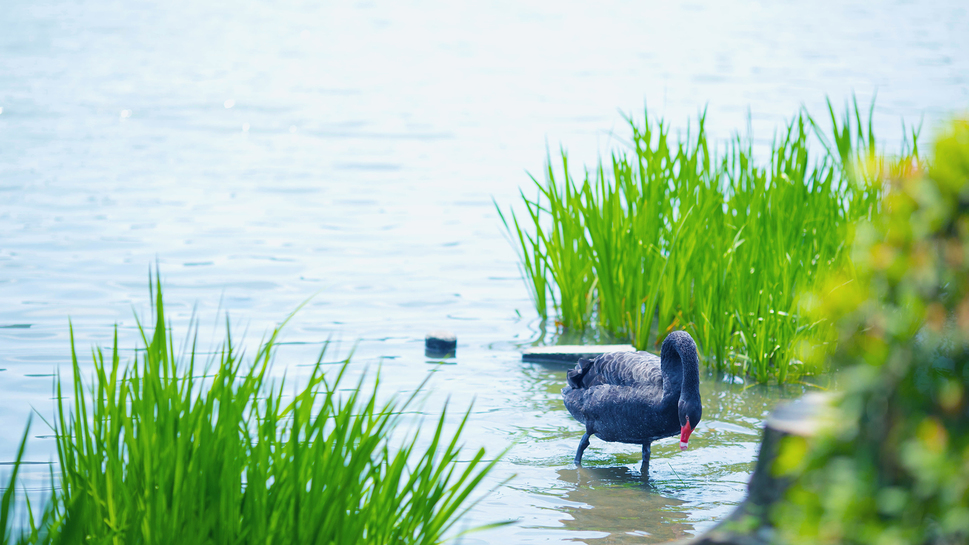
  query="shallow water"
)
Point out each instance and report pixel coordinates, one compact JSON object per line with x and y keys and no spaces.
{"x":265,"y":153}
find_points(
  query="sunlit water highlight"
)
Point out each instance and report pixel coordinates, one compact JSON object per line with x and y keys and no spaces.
{"x":263,"y":152}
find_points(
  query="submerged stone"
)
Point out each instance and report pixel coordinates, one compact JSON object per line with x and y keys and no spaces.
{"x":440,"y":343}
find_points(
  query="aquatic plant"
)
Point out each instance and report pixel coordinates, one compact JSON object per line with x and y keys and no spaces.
{"x":894,"y":468}
{"x":28,"y":530}
{"x":673,"y":235}
{"x":169,"y":448}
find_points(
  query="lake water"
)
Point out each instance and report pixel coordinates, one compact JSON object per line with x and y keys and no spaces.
{"x":263,"y":153}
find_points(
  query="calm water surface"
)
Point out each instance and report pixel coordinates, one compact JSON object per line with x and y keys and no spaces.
{"x":265,"y":153}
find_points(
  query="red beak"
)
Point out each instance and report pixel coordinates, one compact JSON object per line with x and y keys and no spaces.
{"x":685,"y":432}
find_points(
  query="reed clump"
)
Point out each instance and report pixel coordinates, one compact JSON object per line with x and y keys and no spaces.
{"x":674,"y":234}
{"x":171,"y":449}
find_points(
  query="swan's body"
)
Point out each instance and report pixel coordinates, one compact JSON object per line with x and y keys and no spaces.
{"x":636,"y":397}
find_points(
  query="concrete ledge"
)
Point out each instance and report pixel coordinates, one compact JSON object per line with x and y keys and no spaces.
{"x":571,"y":353}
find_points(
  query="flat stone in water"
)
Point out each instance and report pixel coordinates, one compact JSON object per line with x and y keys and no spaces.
{"x":571,"y":353}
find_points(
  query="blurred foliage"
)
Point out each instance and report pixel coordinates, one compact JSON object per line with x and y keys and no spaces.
{"x":895,"y":467}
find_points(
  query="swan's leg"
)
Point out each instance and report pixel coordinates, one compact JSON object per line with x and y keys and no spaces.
{"x":645,"y":467}
{"x":582,"y":445}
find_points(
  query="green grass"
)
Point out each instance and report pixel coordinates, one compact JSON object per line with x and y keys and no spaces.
{"x":674,"y":235}
{"x":170,"y":449}
{"x":28,"y":530}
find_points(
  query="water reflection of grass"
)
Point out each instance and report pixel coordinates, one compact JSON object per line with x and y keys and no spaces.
{"x":170,"y":448}
{"x":676,"y":234}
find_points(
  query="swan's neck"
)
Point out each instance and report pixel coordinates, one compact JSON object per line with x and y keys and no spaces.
{"x":691,"y":376}
{"x":680,"y":367}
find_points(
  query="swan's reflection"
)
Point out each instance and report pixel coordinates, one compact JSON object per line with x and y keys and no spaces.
{"x":617,"y":502}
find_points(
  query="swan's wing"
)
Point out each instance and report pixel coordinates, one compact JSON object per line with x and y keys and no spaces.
{"x":617,"y":381}
{"x":631,"y":414}
{"x":575,"y":376}
{"x":617,"y":369}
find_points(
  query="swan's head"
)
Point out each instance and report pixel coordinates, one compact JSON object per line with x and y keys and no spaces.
{"x":690,"y":414}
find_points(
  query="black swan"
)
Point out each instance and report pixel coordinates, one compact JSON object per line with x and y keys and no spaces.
{"x":635,"y":397}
